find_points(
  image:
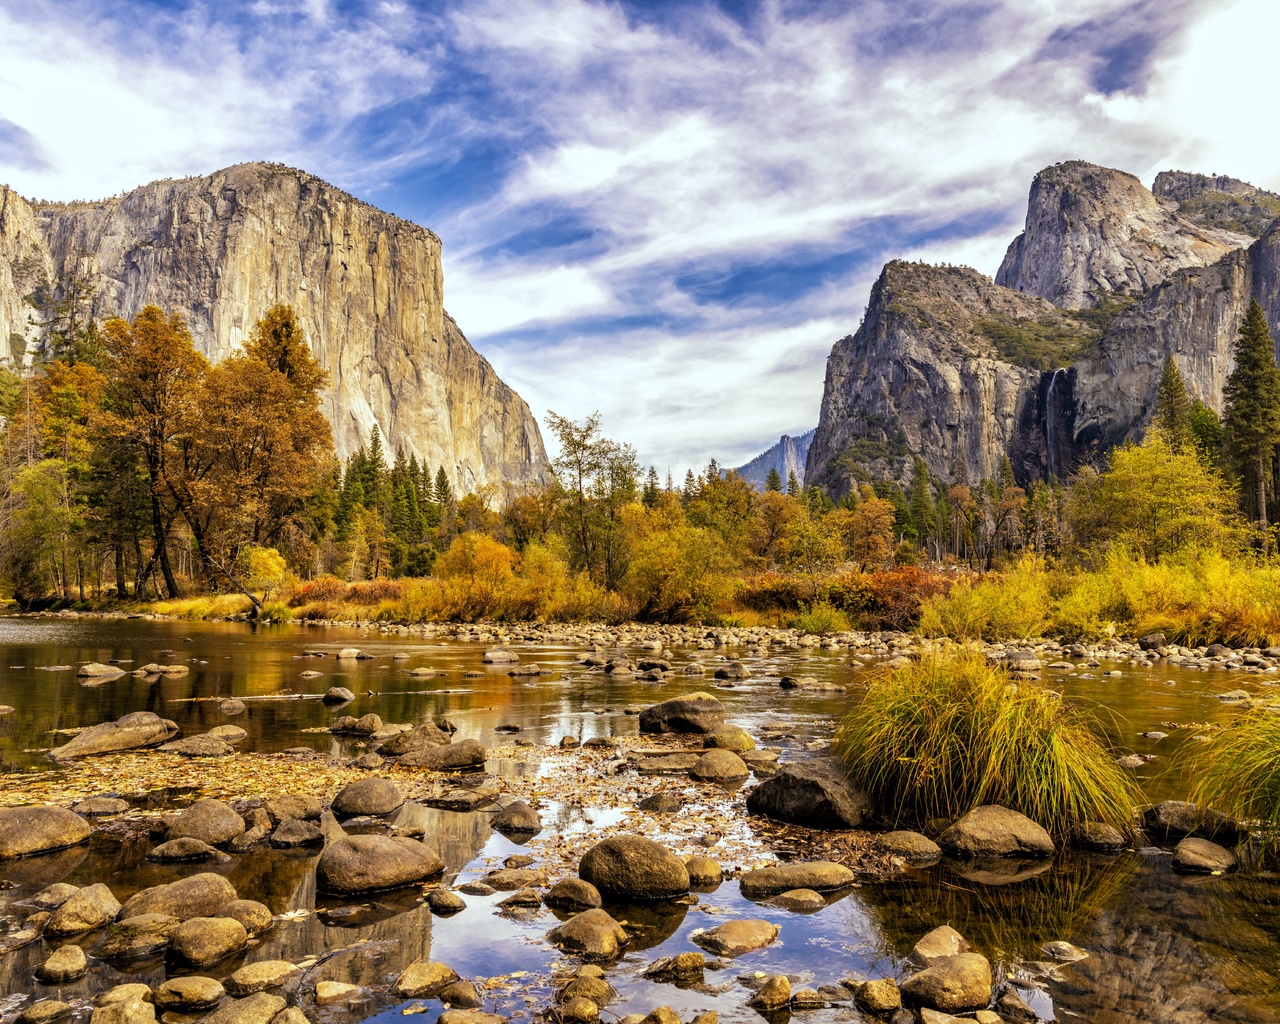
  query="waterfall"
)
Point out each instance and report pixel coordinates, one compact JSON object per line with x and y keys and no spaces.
{"x":1048,"y":422}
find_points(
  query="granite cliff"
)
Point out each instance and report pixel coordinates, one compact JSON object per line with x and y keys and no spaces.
{"x":367,"y":286}
{"x":1058,"y":358}
{"x":787,"y":457}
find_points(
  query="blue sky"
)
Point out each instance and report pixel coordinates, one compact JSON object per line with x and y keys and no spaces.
{"x":665,"y":210}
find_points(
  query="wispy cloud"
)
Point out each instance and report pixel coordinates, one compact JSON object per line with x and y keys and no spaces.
{"x":664,"y":210}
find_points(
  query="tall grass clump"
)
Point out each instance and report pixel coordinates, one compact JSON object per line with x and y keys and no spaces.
{"x":944,"y":735}
{"x":820,"y":618}
{"x":998,"y":606}
{"x":1238,"y":773}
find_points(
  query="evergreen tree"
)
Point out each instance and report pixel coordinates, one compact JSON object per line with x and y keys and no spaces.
{"x":1006,"y":474}
{"x":444,"y":490}
{"x":690,"y":486}
{"x":376,"y":476}
{"x":651,"y":489}
{"x":922,"y":508}
{"x":773,"y":482}
{"x":1205,"y":429}
{"x":793,"y":484}
{"x":671,"y":484}
{"x":1252,"y":398}
{"x":1173,"y":407}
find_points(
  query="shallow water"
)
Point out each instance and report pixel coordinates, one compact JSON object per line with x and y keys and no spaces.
{"x":1163,"y":947}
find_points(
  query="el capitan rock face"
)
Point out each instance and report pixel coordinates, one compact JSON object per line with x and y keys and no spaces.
{"x":367,"y":286}
{"x":1057,"y":359}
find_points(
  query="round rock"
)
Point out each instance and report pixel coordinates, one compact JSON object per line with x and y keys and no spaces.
{"x":260,"y":976}
{"x":734,"y":938}
{"x":28,"y":830}
{"x":632,"y":867}
{"x":188,"y":995}
{"x":994,"y":831}
{"x":356,"y":864}
{"x":255,"y":917}
{"x":372,"y":795}
{"x":206,"y":940}
{"x":1200,"y":856}
{"x":593,"y":934}
{"x":719,"y":765}
{"x":64,"y":965}
{"x":210,"y":821}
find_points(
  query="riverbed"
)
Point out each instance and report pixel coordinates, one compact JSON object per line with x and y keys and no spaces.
{"x":1163,"y":947}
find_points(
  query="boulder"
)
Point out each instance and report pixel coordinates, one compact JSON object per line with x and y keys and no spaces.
{"x":880,"y":997}
{"x":232,"y":706}
{"x":1102,"y":838}
{"x":100,"y":806}
{"x":994,"y":831}
{"x":65,"y":964}
{"x":943,"y":941}
{"x":210,"y":821}
{"x":1200,"y":856}
{"x":734,"y":938}
{"x":511,"y":879}
{"x":443,"y":902}
{"x":201,"y":895}
{"x":329,"y":993}
{"x":258,"y":1008}
{"x":661,"y":802}
{"x":424,"y":979}
{"x":28,"y":830}
{"x":517,"y":817}
{"x":1152,"y":642}
{"x":54,"y":895}
{"x":184,"y":850}
{"x":356,"y":864}
{"x":260,"y":976}
{"x":131,"y":732}
{"x":99,"y":672}
{"x":414,"y":740}
{"x":292,"y":833}
{"x":91,"y":907}
{"x":44,"y":1012}
{"x":572,"y":894}
{"x":719,"y":765}
{"x":695,"y":712}
{"x":206,"y":940}
{"x":254,"y":916}
{"x":470,"y":1017}
{"x":372,"y":795}
{"x":248,"y":839}
{"x":499,"y":656}
{"x":730,"y":737}
{"x":338,"y":695}
{"x":123,"y":993}
{"x":191,"y":994}
{"x":447,"y":757}
{"x":773,"y":994}
{"x":912,"y":847}
{"x":815,"y":794}
{"x":593,"y":935}
{"x":301,"y":806}
{"x":634,"y":868}
{"x":1014,"y":1009}
{"x":1176,"y":819}
{"x":137,"y":938}
{"x":818,"y":875}
{"x":734,"y":670}
{"x":801,"y":901}
{"x":463,"y":994}
{"x":952,"y":984}
{"x":703,"y":871}
{"x":203,"y":745}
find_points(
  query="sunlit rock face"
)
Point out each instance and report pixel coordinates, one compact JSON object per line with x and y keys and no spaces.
{"x":367,"y":286}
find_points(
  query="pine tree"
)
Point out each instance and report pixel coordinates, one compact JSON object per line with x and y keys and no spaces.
{"x":444,"y":491}
{"x":1006,"y":474}
{"x":376,"y":477}
{"x":651,"y":489}
{"x":793,"y":484}
{"x":671,"y":484}
{"x":690,"y":485}
{"x":922,"y":509}
{"x":1173,"y":407}
{"x":773,"y":482}
{"x":1205,"y":428}
{"x":1252,"y":399}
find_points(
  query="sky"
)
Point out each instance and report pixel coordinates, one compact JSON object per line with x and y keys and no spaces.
{"x":667,"y":211}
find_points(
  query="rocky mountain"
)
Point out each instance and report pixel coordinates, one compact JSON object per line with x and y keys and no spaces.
{"x":1216,"y":201}
{"x":367,"y":286}
{"x":1059,"y":357}
{"x":787,"y":457}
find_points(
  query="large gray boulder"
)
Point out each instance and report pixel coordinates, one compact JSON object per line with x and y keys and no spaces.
{"x":372,"y":795}
{"x":356,"y":864}
{"x":815,"y":794}
{"x":210,"y":821}
{"x":994,"y":831}
{"x":140,"y":729}
{"x":695,"y":712}
{"x":28,"y":830}
{"x":201,"y":895}
{"x":447,"y":757}
{"x":634,"y":868}
{"x":818,"y":875}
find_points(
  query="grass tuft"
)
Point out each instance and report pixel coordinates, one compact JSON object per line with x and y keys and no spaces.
{"x":944,"y":735}
{"x":1238,"y":772}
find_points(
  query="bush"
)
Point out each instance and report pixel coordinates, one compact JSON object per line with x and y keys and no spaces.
{"x":820,"y":618}
{"x":275,"y":611}
{"x":945,"y":735}
{"x":997,"y":606}
{"x":373,"y":592}
{"x":1238,"y":771}
{"x":326,"y":588}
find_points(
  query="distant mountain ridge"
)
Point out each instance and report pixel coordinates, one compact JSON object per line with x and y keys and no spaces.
{"x":787,"y":456}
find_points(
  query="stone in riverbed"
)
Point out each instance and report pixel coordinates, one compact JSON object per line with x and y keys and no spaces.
{"x":818,"y":875}
{"x":330,"y":992}
{"x":730,"y":737}
{"x":248,"y":839}
{"x":424,"y":979}
{"x":191,"y":994}
{"x":293,"y":832}
{"x":632,"y":867}
{"x":734,"y":938}
{"x":593,"y":935}
{"x":703,"y":871}
{"x":260,"y":976}
{"x":943,"y":941}
{"x":463,"y":994}
{"x":126,"y":1011}
{"x":99,"y":672}
{"x":199,"y":895}
{"x":994,"y":831}
{"x":1200,"y":856}
{"x":92,"y":907}
{"x":695,"y":712}
{"x":66,"y":964}
{"x":578,"y":1010}
{"x":448,"y":756}
{"x":203,"y":745}
{"x":800,"y":901}
{"x":356,"y":864}
{"x":1176,"y":819}
{"x":100,"y":806}
{"x":258,"y":1008}
{"x":338,"y":695}
{"x":912,"y":847}
{"x":254,"y":916}
{"x":517,"y":817}
{"x":301,"y":806}
{"x":232,"y":706}
{"x":880,"y":997}
{"x":1011,"y":1007}
{"x":372,"y":795}
{"x":952,"y":984}
{"x":54,"y":896}
{"x":1095,"y":835}
{"x":414,"y":740}
{"x":774,"y":994}
{"x":130,"y":732}
{"x":123,"y":993}
{"x":443,"y":902}
{"x":184,"y":850}
{"x":815,"y":794}
{"x":499,"y":656}
{"x":206,"y":940}
{"x":210,"y":821}
{"x":28,"y":830}
{"x":137,"y":937}
{"x":470,"y":1017}
{"x":662,"y":802}
{"x":719,"y":765}
{"x":572,"y":894}
{"x":43,"y":1012}
{"x":511,"y":879}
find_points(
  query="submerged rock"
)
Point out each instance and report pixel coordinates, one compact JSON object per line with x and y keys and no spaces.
{"x":184,"y":850}
{"x":206,"y":940}
{"x":632,"y":867}
{"x":424,"y":979}
{"x":189,"y":995}
{"x":1177,"y":819}
{"x":734,"y":938}
{"x":137,"y":937}
{"x":65,"y":964}
{"x":203,"y":745}
{"x":201,"y":895}
{"x":260,"y":976}
{"x":912,"y":847}
{"x":815,"y":794}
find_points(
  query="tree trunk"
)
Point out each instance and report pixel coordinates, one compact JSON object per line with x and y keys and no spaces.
{"x":122,"y":588}
{"x":1262,"y":502}
{"x":162,"y":547}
